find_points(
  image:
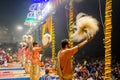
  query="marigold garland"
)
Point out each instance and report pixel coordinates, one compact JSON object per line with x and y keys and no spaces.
{"x":53,"y":40}
{"x":43,"y":29}
{"x":71,"y":15}
{"x":107,"y":32}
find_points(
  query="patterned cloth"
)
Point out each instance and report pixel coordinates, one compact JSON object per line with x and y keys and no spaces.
{"x":35,"y":72}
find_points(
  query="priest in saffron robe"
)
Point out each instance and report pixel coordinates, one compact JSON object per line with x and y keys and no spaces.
{"x":64,"y":62}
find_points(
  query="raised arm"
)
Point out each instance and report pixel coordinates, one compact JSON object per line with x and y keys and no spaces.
{"x":80,"y":45}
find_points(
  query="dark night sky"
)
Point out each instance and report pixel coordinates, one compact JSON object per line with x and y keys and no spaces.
{"x":116,"y":28}
{"x":13,"y":12}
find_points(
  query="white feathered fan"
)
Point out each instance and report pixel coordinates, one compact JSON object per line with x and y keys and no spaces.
{"x":85,"y":26}
{"x":46,"y":39}
{"x":30,"y":39}
{"x":25,"y":37}
{"x":23,"y":44}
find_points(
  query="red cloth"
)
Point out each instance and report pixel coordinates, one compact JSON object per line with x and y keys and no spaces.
{"x":6,"y":74}
{"x":7,"y":57}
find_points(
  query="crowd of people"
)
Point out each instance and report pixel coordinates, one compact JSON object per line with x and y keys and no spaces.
{"x":89,"y":70}
{"x":93,"y":69}
{"x":7,"y":57}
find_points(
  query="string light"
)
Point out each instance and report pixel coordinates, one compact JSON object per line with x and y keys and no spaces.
{"x":53,"y":42}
